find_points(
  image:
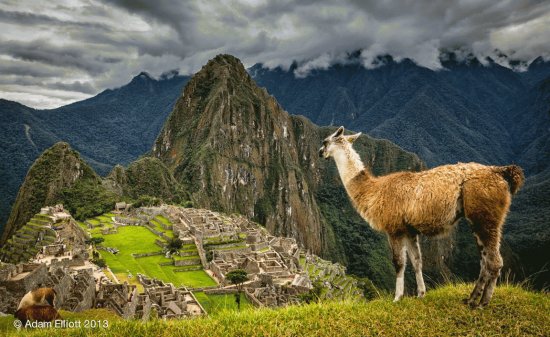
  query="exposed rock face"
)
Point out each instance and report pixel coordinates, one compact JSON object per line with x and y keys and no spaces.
{"x":235,"y":149}
{"x":59,"y":167}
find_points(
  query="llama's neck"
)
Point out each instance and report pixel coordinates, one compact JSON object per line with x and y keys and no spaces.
{"x":349,"y":164}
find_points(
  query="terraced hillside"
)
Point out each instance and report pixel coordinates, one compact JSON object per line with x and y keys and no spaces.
{"x":29,"y":239}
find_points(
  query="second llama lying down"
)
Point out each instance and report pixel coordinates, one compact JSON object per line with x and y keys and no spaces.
{"x":406,"y":204}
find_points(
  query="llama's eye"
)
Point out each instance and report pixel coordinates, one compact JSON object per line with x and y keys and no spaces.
{"x":325,"y":142}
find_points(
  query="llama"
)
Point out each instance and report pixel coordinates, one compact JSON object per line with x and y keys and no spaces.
{"x":40,"y":313}
{"x":406,"y":204}
{"x":40,"y":296}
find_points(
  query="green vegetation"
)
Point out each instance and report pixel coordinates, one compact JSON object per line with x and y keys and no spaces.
{"x":237,"y":277}
{"x":174,"y":245}
{"x":146,"y":200}
{"x":140,"y":240}
{"x":214,"y":304}
{"x":513,"y":312}
{"x":87,"y":198}
{"x":162,"y":224}
{"x":148,"y":176}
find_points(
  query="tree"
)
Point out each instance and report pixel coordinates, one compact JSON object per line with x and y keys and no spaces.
{"x":94,"y":241}
{"x":100,"y":263}
{"x":237,"y":277}
{"x":174,"y":245}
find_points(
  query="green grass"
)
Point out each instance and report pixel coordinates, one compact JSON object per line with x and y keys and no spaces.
{"x":136,"y":239}
{"x":189,"y":257}
{"x":216,"y":303}
{"x":132,"y":239}
{"x":164,"y":220}
{"x":156,"y":223}
{"x":104,"y":218}
{"x":513,"y":312}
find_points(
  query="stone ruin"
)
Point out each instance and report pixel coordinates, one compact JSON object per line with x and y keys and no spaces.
{"x":163,"y":298}
{"x":169,"y":301}
{"x":270,"y":294}
{"x":276,"y":277}
{"x":121,"y":298}
{"x":75,"y":289}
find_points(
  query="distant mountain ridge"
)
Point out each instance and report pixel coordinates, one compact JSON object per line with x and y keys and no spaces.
{"x":114,"y":127}
{"x":465,"y":112}
{"x":468,"y":112}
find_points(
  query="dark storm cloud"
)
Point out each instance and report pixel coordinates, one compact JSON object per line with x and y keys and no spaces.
{"x":77,"y":86}
{"x":27,"y":69}
{"x":42,"y":51}
{"x":26,"y":18}
{"x":78,"y":47}
{"x":179,"y":15}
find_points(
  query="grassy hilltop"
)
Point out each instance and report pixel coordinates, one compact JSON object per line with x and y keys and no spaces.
{"x":513,"y":312}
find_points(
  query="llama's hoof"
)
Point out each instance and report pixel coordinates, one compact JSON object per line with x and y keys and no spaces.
{"x":474,"y":305}
{"x":397,"y":299}
{"x":421,"y":294}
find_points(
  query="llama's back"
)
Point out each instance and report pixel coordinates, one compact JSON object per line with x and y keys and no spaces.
{"x":430,"y":201}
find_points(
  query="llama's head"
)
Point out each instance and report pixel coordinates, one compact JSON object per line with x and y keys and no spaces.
{"x":337,"y":142}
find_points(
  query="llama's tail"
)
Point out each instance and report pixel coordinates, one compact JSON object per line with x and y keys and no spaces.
{"x":513,"y":174}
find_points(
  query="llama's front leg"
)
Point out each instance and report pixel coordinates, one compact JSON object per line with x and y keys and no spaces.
{"x":399,"y":261}
{"x":415,"y":255}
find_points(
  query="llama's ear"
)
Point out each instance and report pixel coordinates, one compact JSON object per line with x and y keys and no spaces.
{"x":339,"y":132}
{"x":353,"y":138}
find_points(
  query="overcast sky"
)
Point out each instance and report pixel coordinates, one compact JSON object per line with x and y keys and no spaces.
{"x":56,"y":52}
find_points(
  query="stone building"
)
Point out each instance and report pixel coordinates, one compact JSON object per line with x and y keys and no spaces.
{"x":167,"y":300}
{"x":75,"y":290}
{"x":121,"y":298}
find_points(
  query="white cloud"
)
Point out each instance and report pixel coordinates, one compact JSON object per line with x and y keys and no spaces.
{"x":102,"y":44}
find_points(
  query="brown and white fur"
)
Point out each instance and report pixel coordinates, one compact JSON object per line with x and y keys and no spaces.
{"x":40,"y":296}
{"x":405,"y":204}
{"x":40,"y":313}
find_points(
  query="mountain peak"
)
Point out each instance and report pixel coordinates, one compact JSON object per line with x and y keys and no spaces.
{"x":142,"y":76}
{"x":224,"y":66}
{"x":57,"y":168}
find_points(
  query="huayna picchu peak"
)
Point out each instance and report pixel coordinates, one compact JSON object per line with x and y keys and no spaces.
{"x":235,"y":149}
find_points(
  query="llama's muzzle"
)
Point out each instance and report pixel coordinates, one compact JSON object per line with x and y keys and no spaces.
{"x":322,"y":153}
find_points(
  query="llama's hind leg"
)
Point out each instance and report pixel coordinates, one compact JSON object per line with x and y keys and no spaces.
{"x":415,"y":255}
{"x":486,"y":202}
{"x":399,"y":253}
{"x":493,"y":265}
{"x":482,"y":279}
